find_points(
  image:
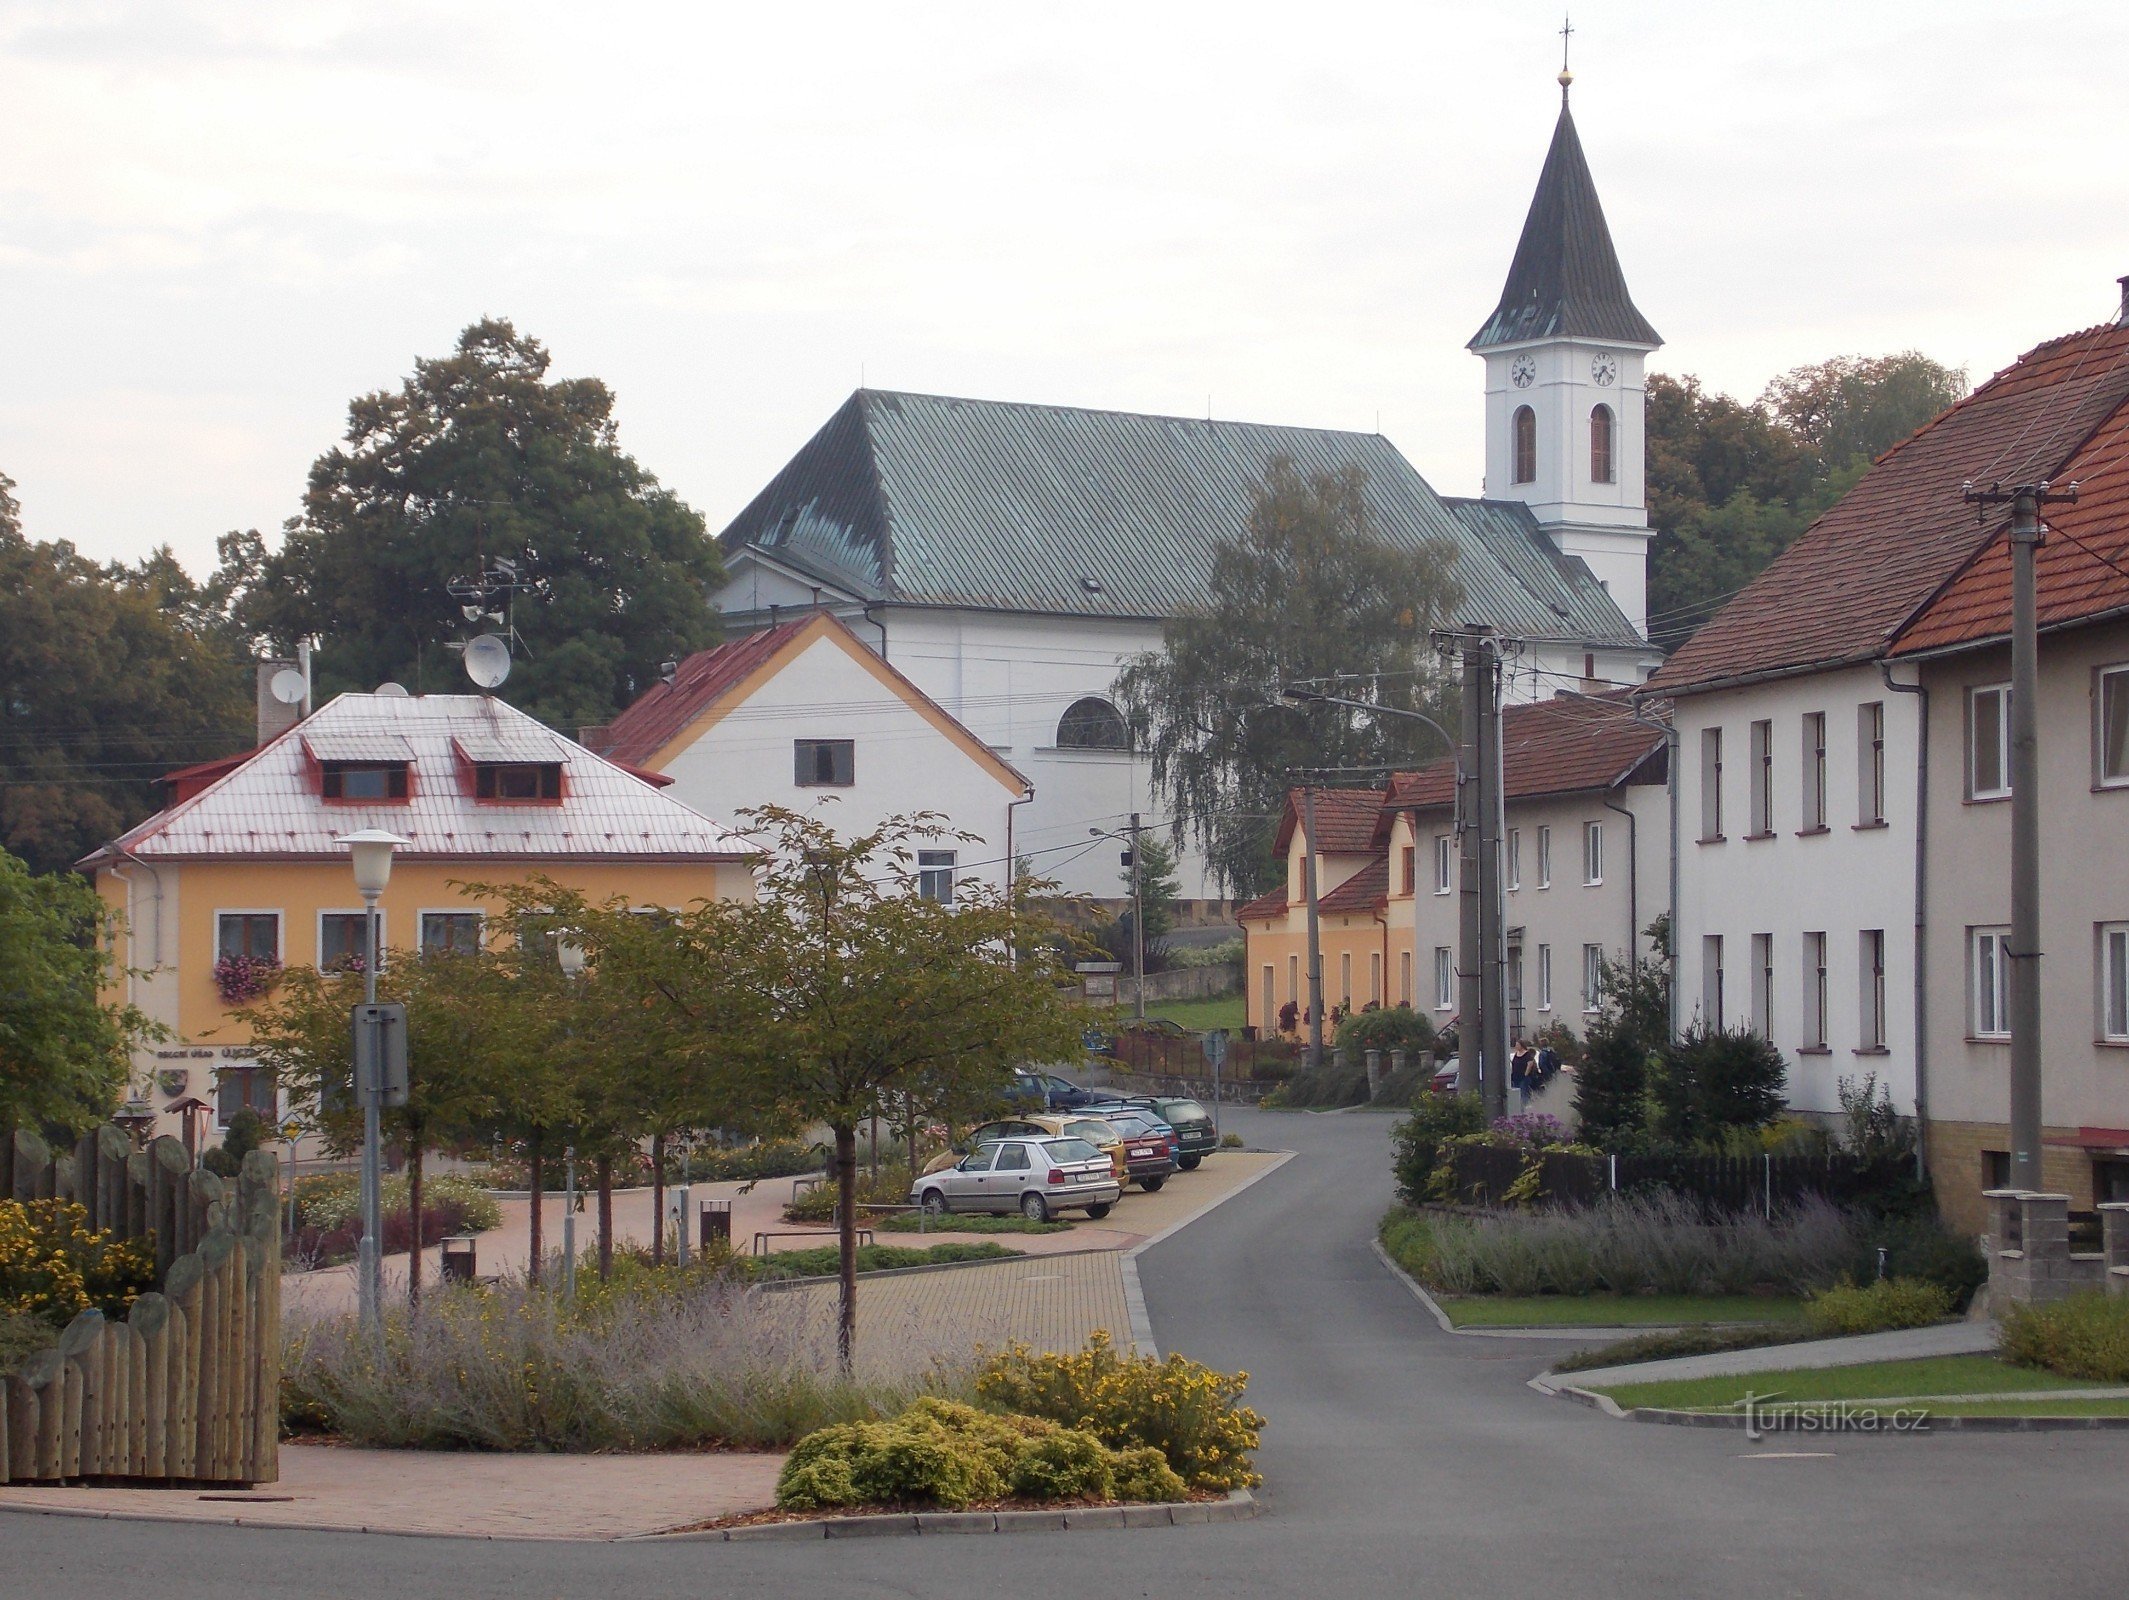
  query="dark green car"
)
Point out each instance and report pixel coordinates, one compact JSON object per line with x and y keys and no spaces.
{"x":1191,"y":1121}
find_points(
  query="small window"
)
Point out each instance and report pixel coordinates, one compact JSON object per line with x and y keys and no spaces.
{"x":517,"y":780}
{"x":1870,"y":989}
{"x":1544,"y":977}
{"x":450,"y":933}
{"x":363,"y":780}
{"x":1293,"y":980}
{"x":343,"y":940}
{"x":1375,"y":977}
{"x":2114,"y":726}
{"x":824,"y":763}
{"x":1526,"y":445}
{"x":1762,"y":779}
{"x":1093,"y":724}
{"x":1592,"y":978}
{"x":1544,"y":858}
{"x":1763,"y":985}
{"x":1814,"y":991}
{"x":1814,"y":771}
{"x":1600,"y":445}
{"x":1592,"y":852}
{"x":1989,"y":984}
{"x":1710,"y":784}
{"x":935,"y":875}
{"x":1404,"y":977}
{"x":2114,"y":983}
{"x":1870,"y":764}
{"x":1268,"y":1004}
{"x":244,"y":1088}
{"x":1995,"y":1169}
{"x":1711,"y":981}
{"x":1444,"y":978}
{"x":1345,"y":978}
{"x":1411,"y":869}
{"x":1515,"y":858}
{"x":1444,"y":862}
{"x":255,"y":935}
{"x":1988,"y":742}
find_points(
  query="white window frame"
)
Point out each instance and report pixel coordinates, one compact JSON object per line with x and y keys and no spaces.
{"x":1444,"y":978}
{"x":1404,"y":977}
{"x":1870,"y":989}
{"x":932,"y":867}
{"x":1763,"y":984}
{"x":1817,"y":991}
{"x":1814,"y":755}
{"x":1711,"y":980}
{"x":1515,"y":858}
{"x":1545,"y":856}
{"x":1592,"y":854}
{"x":280,"y":927}
{"x":1870,"y":764}
{"x":1592,"y":979}
{"x":1710,"y":785}
{"x":2113,"y":681}
{"x":384,"y":935}
{"x":1444,"y":862}
{"x":1544,"y":977}
{"x":1988,"y":983}
{"x":2001,"y":692}
{"x":2113,"y":985}
{"x":422,"y":916}
{"x":1762,"y":778}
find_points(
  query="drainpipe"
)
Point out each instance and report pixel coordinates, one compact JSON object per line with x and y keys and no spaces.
{"x":1670,"y":738}
{"x":1921,"y":695}
{"x":156,"y":957}
{"x":877,"y":623}
{"x":1633,"y":872}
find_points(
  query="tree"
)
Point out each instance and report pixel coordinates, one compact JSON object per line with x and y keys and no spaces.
{"x":1855,"y":408}
{"x":1158,"y":889}
{"x":861,"y":990}
{"x":112,"y":676}
{"x":1311,"y":590}
{"x":1715,"y":1079}
{"x":480,"y":456}
{"x":65,"y":1053}
{"x":1632,"y":1025}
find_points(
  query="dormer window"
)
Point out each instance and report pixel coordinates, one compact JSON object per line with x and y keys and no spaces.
{"x":517,"y":781}
{"x":380,"y":782}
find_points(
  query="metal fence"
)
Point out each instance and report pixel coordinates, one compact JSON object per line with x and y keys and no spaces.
{"x":1483,"y":1175}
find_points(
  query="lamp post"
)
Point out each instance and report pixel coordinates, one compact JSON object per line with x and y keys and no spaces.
{"x":371,"y":849}
{"x":571,"y":956}
{"x":1138,"y":912}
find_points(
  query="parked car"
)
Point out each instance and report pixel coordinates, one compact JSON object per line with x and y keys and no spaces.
{"x":1150,"y":1145}
{"x":1196,"y":1135}
{"x":1036,"y":1177}
{"x":1058,"y":1094}
{"x":1039,"y":1125}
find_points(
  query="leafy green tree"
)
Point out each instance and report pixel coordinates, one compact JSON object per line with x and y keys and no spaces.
{"x":64,"y":1051}
{"x":1312,"y":590}
{"x":1158,"y":889}
{"x":1855,"y":408}
{"x":480,"y":456}
{"x":1715,"y":1079}
{"x":112,"y":676}
{"x":1632,"y":1026}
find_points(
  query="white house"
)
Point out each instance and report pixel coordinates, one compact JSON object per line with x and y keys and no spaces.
{"x":804,"y":716}
{"x":1010,"y":558}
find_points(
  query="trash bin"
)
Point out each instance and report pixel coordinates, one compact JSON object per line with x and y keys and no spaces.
{"x":458,"y":1262}
{"x":716,"y":1224}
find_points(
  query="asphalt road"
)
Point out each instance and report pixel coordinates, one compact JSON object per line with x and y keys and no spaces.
{"x":1402,"y":1461}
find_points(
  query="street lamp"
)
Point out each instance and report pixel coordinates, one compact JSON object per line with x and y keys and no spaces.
{"x":570,"y":955}
{"x":371,"y":849}
{"x":1138,"y":912}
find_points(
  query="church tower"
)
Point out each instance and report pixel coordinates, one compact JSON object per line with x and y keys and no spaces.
{"x":1564,"y":399}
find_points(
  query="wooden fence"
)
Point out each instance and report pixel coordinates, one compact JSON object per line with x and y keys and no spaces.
{"x":187,"y":1388}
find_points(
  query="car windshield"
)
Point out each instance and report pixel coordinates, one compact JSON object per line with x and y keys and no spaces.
{"x":1089,"y":1129}
{"x":1130,"y":1122}
{"x":1062,"y":1150}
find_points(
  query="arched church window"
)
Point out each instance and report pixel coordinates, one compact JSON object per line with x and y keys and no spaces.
{"x":1526,"y":445}
{"x":1600,"y":445}
{"x":1093,"y":724}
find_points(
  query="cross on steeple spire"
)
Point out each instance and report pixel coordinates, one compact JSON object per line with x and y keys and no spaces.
{"x":1567,"y":28}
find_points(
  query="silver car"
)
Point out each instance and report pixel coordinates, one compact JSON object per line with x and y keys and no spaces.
{"x":1033,"y":1176}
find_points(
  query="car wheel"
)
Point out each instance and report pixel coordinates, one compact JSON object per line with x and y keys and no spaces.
{"x":1034,"y":1207}
{"x":1189,"y":1163}
{"x":1100,"y":1209}
{"x":934,"y":1203}
{"x":1151,"y":1185}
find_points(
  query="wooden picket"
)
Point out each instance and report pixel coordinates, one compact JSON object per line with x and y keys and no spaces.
{"x":187,"y":1388}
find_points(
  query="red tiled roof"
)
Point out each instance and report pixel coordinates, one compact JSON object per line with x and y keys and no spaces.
{"x":1265,"y":905}
{"x":1844,"y":590}
{"x":1345,"y":820}
{"x":1365,"y":890}
{"x":704,"y":678}
{"x":1566,"y":745}
{"x":2072,"y":583}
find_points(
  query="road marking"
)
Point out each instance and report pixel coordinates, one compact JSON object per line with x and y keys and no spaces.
{"x":1787,"y":1455}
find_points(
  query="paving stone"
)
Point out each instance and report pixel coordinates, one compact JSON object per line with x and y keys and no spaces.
{"x":1031,"y":1521}
{"x":1184,"y":1515}
{"x":1146,"y":1517}
{"x":1095,"y":1517}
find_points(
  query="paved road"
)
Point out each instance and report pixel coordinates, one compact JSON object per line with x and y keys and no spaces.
{"x":1403,"y":1462}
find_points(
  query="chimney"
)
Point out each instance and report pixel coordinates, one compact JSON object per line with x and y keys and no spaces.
{"x":2123,"y":318}
{"x":276,"y":716}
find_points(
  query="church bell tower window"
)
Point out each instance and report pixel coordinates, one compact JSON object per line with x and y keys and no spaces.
{"x":1526,"y":445}
{"x":1600,"y":446}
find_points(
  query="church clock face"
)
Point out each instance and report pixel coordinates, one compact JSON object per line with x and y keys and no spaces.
{"x":1604,"y":368}
{"x":1523,"y":370}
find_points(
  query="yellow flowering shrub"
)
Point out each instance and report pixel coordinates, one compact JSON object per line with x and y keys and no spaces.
{"x":53,"y":1265}
{"x":1182,"y":1408}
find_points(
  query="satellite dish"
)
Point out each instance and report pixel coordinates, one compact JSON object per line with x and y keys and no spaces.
{"x":487,"y":660}
{"x":392,"y":691}
{"x":287,"y":686}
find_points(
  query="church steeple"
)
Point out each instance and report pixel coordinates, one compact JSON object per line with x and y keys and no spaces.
{"x":1565,"y":280}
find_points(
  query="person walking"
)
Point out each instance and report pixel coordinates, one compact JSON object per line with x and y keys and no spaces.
{"x":1523,"y":1073}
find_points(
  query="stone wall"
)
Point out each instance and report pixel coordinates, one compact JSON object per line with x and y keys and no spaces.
{"x":1954,"y":1151}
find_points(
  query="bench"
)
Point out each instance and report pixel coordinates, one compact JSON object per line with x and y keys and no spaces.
{"x":821,"y":1235}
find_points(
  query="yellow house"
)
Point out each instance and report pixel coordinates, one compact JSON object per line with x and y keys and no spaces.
{"x":1366,"y":952}
{"x":241,"y":873}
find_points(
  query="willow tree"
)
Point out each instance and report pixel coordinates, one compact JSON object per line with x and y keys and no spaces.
{"x":1310,"y":590}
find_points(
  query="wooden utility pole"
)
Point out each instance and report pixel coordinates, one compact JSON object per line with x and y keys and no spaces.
{"x":2025,"y":501}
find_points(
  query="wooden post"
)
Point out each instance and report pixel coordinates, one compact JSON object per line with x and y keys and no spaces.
{"x":166,"y":1175}
{"x":150,"y":1320}
{"x":80,"y":1347}
{"x":23,"y":1423}
{"x":214,"y":1291}
{"x":186,"y":1290}
{"x":70,"y":1398}
{"x":33,"y":1161}
{"x":45,"y":1374}
{"x":7,"y":1454}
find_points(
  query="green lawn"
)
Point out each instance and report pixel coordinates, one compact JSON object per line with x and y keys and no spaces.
{"x":967,"y":1222}
{"x":1225,"y":1011}
{"x":823,"y":1261}
{"x":1871,"y":1381}
{"x":1615,"y":1311}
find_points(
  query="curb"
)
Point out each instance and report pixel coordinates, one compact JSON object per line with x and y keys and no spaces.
{"x":1239,"y":1506}
{"x":1598,"y":1401}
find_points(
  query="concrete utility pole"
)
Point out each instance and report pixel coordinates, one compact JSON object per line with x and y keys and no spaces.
{"x":1315,"y":931}
{"x":1138,"y":921}
{"x":1470,"y":922}
{"x":1493,"y":934}
{"x":2025,"y":501}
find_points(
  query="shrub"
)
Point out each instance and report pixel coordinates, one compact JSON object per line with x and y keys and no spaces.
{"x":332,"y":1200}
{"x":1231,"y":1141}
{"x":1337,"y":1083}
{"x":247,"y":1131}
{"x":771,"y":1158}
{"x":1714,"y":1079}
{"x":1701,"y":1339}
{"x":1434,"y":1118}
{"x":1228,"y":953}
{"x":1923,"y":1246}
{"x":1611,"y":1085}
{"x":1181,"y":1408}
{"x":1065,"y":1465}
{"x":53,"y":1265}
{"x":2082,"y":1336}
{"x":22,"y":1335}
{"x":817,"y":1204}
{"x":1385,"y":1029}
{"x":1876,"y":1307}
{"x":1559,"y":1038}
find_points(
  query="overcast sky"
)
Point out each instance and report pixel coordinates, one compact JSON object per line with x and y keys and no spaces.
{"x":218,"y":223}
